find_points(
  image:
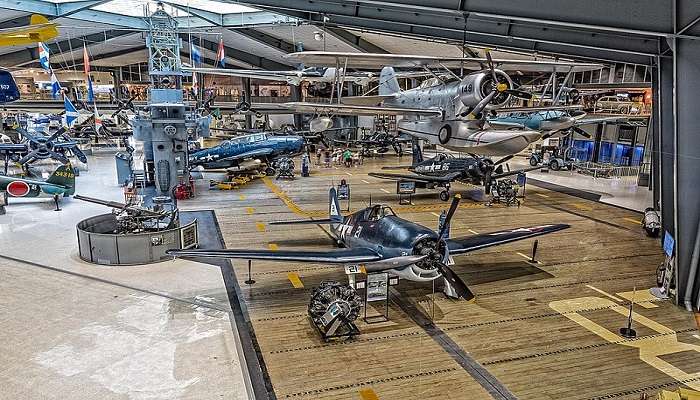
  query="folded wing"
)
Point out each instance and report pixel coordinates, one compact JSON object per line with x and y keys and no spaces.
{"x":483,"y":240}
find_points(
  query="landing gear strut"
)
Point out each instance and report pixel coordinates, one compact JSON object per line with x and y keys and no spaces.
{"x":55,"y":200}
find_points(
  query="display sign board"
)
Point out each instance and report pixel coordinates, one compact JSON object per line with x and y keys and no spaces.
{"x":353,"y":269}
{"x":377,"y":289}
{"x":521,"y":179}
{"x":669,"y":243}
{"x":405,"y":187}
{"x":343,"y":192}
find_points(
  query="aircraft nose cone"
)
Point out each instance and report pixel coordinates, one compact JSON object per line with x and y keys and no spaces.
{"x":532,"y":136}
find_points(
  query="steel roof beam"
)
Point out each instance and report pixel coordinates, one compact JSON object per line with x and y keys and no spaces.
{"x":234,"y":19}
{"x":357,"y":42}
{"x":50,"y":9}
{"x":24,"y":56}
{"x":266,"y":40}
{"x":237,"y":54}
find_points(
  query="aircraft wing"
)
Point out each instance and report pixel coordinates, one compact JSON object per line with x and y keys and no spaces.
{"x":508,"y":110}
{"x":342,"y":256}
{"x":13,"y":148}
{"x":483,"y":240}
{"x":599,"y":120}
{"x":291,"y":77}
{"x":415,"y":177}
{"x":251,"y":154}
{"x":342,"y":109}
{"x":377,"y":60}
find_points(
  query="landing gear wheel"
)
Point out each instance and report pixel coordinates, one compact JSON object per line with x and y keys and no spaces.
{"x":444,"y":195}
{"x":270,"y":171}
{"x":337,"y":295}
{"x":554,"y":165}
{"x":445,"y":134}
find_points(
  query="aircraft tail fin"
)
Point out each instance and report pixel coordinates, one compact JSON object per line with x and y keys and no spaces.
{"x":64,"y":176}
{"x":334,"y":206}
{"x":417,"y":153}
{"x":37,"y":19}
{"x":388,"y":84}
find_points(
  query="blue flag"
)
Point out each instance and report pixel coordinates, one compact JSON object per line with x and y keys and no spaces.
{"x":44,"y":56}
{"x":196,"y":55}
{"x":90,"y":92}
{"x":71,"y":112}
{"x":55,"y":85}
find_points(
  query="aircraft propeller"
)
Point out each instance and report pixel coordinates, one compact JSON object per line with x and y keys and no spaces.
{"x":457,"y":283}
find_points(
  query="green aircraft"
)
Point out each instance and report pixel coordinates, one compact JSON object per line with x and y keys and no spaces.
{"x":60,"y":184}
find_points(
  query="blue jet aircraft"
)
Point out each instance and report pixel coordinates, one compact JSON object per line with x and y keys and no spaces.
{"x":550,"y":122}
{"x":261,"y":146}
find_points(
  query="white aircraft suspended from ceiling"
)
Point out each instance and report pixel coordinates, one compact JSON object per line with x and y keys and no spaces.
{"x":447,"y":110}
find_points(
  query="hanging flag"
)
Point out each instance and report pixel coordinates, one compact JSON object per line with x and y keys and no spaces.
{"x":55,"y":85}
{"x":44,"y":56}
{"x":90,"y":92}
{"x":195,"y":84}
{"x":196,"y":55}
{"x":86,"y":60}
{"x":98,"y":121}
{"x":221,"y":55}
{"x":71,"y":112}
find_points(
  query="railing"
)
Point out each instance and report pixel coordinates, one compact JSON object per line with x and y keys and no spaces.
{"x":607,"y":171}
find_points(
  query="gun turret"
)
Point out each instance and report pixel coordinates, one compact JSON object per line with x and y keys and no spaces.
{"x":130,"y":209}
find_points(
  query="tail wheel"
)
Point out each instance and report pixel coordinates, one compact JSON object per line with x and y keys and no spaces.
{"x":270,"y":171}
{"x":445,"y":134}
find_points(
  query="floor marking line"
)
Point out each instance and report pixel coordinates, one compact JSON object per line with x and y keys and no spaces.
{"x":542,"y":195}
{"x":696,"y":337}
{"x":368,"y":394}
{"x":384,"y":190}
{"x":525,"y":256}
{"x":260,"y":226}
{"x":241,"y":197}
{"x":365,"y":181}
{"x":617,"y":299}
{"x":295,"y":280}
{"x":490,"y":383}
{"x":632,"y":220}
{"x":272,"y":246}
{"x":348,"y":173}
{"x":435,"y":214}
{"x":473,"y":231}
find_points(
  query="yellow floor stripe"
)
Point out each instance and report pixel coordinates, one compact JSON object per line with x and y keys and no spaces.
{"x":542,"y":195}
{"x":368,"y":394}
{"x":349,"y":174}
{"x":524,"y":256}
{"x":294,"y":278}
{"x":632,"y":220}
{"x":604,"y":293}
{"x":241,"y":197}
{"x":249,"y":210}
{"x":272,"y":246}
{"x":643,"y":298}
{"x":582,"y":206}
{"x":260,"y":226}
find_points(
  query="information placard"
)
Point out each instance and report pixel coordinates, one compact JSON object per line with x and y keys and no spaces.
{"x":377,"y":289}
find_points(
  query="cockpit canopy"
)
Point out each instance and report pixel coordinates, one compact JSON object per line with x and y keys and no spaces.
{"x":256,"y":137}
{"x":442,"y":157}
{"x":377,"y":212}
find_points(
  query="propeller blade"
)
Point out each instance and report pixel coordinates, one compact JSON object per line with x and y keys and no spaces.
{"x":79,"y":154}
{"x":457,"y":283}
{"x":492,"y":68}
{"x":450,"y":213}
{"x":25,"y":134}
{"x":59,"y":157}
{"x":482,"y":104}
{"x":504,"y":159}
{"x":56,"y":134}
{"x":28,"y":157}
{"x":581,"y":132}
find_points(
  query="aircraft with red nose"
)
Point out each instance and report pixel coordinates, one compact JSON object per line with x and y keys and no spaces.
{"x":60,"y":184}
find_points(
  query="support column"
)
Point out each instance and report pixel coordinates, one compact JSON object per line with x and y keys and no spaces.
{"x":247,"y":95}
{"x":296,"y":96}
{"x":687,"y":157}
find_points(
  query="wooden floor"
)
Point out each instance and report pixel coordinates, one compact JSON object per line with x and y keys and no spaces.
{"x":540,"y":329}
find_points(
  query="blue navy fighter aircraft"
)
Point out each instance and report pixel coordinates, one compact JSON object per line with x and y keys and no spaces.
{"x":261,"y":146}
{"x":379,"y":240}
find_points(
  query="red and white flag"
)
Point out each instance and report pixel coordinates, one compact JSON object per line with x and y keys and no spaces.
{"x":220,"y":54}
{"x":86,"y":60}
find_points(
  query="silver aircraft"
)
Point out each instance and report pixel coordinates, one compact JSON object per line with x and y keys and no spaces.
{"x":446,"y":109}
